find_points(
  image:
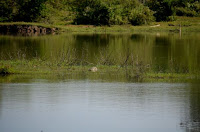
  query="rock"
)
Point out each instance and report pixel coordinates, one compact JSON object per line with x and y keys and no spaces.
{"x":171,"y":24}
{"x":93,"y":69}
{"x":175,"y":30}
{"x":25,"y":30}
{"x":158,"y":25}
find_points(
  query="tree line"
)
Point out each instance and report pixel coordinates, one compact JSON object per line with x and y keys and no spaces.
{"x":97,"y":12}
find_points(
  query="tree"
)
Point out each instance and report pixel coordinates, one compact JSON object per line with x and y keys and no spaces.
{"x":93,"y":12}
{"x":29,"y":10}
{"x":7,"y":10}
{"x":163,"y":9}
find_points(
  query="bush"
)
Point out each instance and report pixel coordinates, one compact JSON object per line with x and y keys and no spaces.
{"x":20,"y":10}
{"x":6,"y":10}
{"x":92,"y":12}
{"x":172,"y":18}
{"x":120,"y":10}
{"x":56,"y":13}
{"x":163,"y":9}
{"x":103,"y":12}
{"x":141,"y":15}
{"x":29,"y":10}
{"x":180,"y":11}
{"x":196,"y":7}
{"x":115,"y":14}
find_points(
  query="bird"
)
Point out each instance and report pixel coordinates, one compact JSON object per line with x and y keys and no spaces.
{"x":93,"y":69}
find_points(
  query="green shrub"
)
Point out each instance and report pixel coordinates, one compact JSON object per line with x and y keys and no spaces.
{"x":115,"y":14}
{"x":6,"y":10}
{"x":172,"y":18}
{"x":29,"y":10}
{"x":56,"y":13}
{"x":141,"y":15}
{"x":103,"y":12}
{"x":180,"y":11}
{"x":163,"y":9}
{"x":120,"y":10}
{"x":196,"y":7}
{"x":92,"y":12}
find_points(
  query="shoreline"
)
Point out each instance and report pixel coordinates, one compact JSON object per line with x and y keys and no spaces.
{"x":35,"y":67}
{"x":187,"y":25}
{"x":26,"y":29}
{"x":130,"y":74}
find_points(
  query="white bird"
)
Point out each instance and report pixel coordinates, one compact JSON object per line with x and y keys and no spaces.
{"x":93,"y":69}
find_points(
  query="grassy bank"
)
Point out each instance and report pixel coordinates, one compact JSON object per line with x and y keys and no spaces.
{"x":188,"y":24}
{"x":106,"y":77}
{"x":129,"y":73}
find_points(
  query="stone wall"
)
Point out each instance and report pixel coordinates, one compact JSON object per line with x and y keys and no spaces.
{"x":27,"y":30}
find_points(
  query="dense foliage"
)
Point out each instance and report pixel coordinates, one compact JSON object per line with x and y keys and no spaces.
{"x":96,"y":12}
{"x":163,"y":9}
{"x":56,"y":12}
{"x":93,"y":12}
{"x":6,"y":11}
{"x":21,"y":10}
{"x":166,"y":8}
{"x":188,"y":9}
{"x":141,"y":15}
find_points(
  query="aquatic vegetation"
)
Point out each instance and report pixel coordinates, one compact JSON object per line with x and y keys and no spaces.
{"x":128,"y":65}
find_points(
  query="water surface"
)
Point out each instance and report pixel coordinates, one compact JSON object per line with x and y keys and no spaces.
{"x":89,"y":105}
{"x":103,"y":103}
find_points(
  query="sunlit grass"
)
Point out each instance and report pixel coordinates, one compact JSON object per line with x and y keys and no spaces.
{"x":188,"y":24}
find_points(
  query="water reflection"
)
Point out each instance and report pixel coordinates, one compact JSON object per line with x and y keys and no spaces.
{"x":165,"y":52}
{"x":191,"y":119}
{"x":1,"y":100}
{"x":161,"y":52}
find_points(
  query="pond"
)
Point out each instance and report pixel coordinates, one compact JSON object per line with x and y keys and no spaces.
{"x":36,"y":105}
{"x":108,"y":103}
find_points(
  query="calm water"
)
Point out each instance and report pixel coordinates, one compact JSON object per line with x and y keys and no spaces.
{"x":103,"y":103}
{"x":89,"y":105}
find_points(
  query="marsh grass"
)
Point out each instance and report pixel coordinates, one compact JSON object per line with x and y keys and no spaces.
{"x":67,"y":63}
